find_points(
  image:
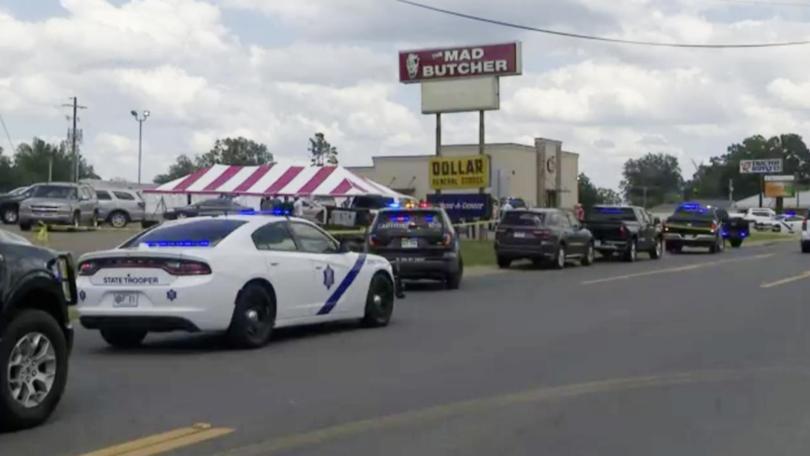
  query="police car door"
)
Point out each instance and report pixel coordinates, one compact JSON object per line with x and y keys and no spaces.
{"x":288,"y":270}
{"x":334,"y":273}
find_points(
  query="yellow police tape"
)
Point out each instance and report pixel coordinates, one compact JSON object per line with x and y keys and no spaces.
{"x":456,"y":225}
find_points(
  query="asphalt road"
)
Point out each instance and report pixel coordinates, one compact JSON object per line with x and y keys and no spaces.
{"x":693,"y":354}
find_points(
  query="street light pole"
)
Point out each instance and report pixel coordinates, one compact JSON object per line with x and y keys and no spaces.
{"x":140,"y":119}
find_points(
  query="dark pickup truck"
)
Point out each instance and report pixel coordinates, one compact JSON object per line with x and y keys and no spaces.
{"x":625,"y":231}
{"x":695,"y":225}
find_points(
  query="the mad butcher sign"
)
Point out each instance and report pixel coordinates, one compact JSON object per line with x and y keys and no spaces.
{"x":459,"y":62}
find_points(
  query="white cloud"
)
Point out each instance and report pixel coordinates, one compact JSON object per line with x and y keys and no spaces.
{"x":334,"y":71}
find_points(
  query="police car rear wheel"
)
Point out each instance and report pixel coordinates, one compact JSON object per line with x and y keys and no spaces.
{"x":453,"y":281}
{"x":656,"y":251}
{"x":253,"y":318}
{"x":504,"y":262}
{"x":379,"y":302}
{"x":632,"y":252}
{"x":123,"y":338}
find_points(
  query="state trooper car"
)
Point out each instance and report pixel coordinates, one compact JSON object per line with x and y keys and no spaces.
{"x":242,"y":274}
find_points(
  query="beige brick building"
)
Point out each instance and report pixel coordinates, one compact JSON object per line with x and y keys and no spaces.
{"x":542,"y":174}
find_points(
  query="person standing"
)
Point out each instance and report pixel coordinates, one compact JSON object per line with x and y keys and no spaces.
{"x":506,"y":207}
{"x":298,"y":207}
{"x":579,"y":212}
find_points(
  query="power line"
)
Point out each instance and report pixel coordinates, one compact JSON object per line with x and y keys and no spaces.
{"x":600,"y":38}
{"x":766,"y":3}
{"x":8,"y":135}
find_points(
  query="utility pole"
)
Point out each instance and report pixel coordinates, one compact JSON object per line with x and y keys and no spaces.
{"x":74,"y":137}
{"x":141,"y":119}
{"x":730,"y":192}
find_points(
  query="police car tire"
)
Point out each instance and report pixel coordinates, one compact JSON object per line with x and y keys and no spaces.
{"x":122,"y":337}
{"x":454,"y":280}
{"x":379,"y":314}
{"x":657,"y":250}
{"x":504,"y":262}
{"x":805,"y":247}
{"x":736,"y":243}
{"x":14,"y":416}
{"x":244,"y":332}
{"x":559,"y":258}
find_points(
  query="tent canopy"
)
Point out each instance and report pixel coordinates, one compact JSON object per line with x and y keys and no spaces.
{"x":275,"y":179}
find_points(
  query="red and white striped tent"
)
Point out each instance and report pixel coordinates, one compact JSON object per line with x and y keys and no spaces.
{"x":275,"y":179}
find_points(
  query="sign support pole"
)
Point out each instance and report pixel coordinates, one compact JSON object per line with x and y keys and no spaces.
{"x":761,"y":188}
{"x":438,"y":140}
{"x":481,"y":139}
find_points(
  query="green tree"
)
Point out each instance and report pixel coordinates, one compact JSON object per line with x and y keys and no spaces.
{"x":32,"y":161}
{"x":321,"y":151}
{"x":183,"y":166}
{"x":652,"y":179}
{"x":235,"y":151}
{"x":608,"y":196}
{"x":711,"y":180}
{"x":588,"y":193}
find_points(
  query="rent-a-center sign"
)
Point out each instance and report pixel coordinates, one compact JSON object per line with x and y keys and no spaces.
{"x":459,"y":62}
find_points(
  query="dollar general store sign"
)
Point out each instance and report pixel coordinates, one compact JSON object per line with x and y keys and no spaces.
{"x":471,"y":171}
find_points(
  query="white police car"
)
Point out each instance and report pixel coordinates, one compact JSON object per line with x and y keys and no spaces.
{"x":242,"y":274}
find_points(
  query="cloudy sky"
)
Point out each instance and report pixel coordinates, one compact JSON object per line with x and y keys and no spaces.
{"x":279,"y":70}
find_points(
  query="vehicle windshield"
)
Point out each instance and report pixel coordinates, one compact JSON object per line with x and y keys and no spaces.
{"x":410,"y":222}
{"x":197,"y":233}
{"x":18,"y":191}
{"x":611,"y":214}
{"x":524,"y":218}
{"x":371,"y":202}
{"x":54,"y":192}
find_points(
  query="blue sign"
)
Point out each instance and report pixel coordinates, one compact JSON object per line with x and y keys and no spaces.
{"x":467,"y":206}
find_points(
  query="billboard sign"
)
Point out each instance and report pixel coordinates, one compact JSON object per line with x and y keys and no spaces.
{"x":470,"y":171}
{"x":780,"y":186}
{"x":461,"y":95}
{"x":460,"y":62}
{"x":770,"y":165}
{"x":466,"y":206}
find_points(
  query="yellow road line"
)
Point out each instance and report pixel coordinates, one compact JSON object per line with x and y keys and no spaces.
{"x":776,"y":283}
{"x":423,"y":416}
{"x":689,"y":267}
{"x":166,"y":441}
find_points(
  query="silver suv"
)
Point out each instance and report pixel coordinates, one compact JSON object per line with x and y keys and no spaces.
{"x":119,"y":206}
{"x":59,"y":203}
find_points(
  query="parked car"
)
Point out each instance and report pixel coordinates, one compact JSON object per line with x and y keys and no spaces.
{"x":59,"y":203}
{"x":216,"y":206}
{"x":119,"y":206}
{"x":421,"y":240}
{"x":545,"y":236}
{"x":10,"y":204}
{"x":36,"y":287}
{"x":625,"y":230}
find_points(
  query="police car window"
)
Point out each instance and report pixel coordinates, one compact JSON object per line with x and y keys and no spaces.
{"x":274,"y":236}
{"x":410,"y":222}
{"x":312,"y":240}
{"x":102,"y":195}
{"x":562,"y":221}
{"x":197,"y":233}
{"x":124,"y":196}
{"x":521,"y":218}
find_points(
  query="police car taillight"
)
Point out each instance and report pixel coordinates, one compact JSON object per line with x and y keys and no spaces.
{"x":447,"y":239}
{"x":88,"y":268}
{"x":714,"y":227}
{"x":373,"y":241}
{"x":622,"y":231}
{"x":186,"y":268}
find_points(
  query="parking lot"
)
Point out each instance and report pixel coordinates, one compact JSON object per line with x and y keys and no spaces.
{"x":692,"y":354}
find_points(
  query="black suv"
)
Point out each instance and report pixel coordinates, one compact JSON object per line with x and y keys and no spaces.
{"x":550,"y":236}
{"x":422,"y":241}
{"x":36,"y":287}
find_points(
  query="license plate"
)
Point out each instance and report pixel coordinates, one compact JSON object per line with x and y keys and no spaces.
{"x":597,"y":243}
{"x":519,"y":234}
{"x":125,"y":299}
{"x":410,"y":243}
